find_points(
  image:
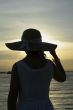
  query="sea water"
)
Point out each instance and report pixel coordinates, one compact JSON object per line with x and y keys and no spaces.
{"x":61,"y":94}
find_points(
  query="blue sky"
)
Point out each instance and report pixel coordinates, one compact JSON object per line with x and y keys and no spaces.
{"x":54,"y":18}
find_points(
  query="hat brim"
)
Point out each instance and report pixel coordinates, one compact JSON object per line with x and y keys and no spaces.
{"x":38,"y":46}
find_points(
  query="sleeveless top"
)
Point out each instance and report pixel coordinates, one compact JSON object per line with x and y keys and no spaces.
{"x":34,"y":86}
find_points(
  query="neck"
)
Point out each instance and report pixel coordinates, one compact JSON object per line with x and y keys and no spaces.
{"x":35,"y":61}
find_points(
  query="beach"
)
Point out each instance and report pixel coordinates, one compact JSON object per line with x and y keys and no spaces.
{"x":61,"y":94}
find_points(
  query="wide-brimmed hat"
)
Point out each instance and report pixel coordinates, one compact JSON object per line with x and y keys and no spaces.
{"x":31,"y":40}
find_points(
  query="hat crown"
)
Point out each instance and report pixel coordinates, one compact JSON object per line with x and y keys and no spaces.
{"x":31,"y":35}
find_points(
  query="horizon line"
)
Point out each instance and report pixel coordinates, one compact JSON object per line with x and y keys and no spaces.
{"x":8,"y":72}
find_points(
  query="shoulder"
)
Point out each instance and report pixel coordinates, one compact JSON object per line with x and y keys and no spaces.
{"x":17,"y":66}
{"x":51,"y":64}
{"x":55,"y":70}
{"x":14,"y":70}
{"x":14,"y":66}
{"x":16,"y":63}
{"x":50,"y":61}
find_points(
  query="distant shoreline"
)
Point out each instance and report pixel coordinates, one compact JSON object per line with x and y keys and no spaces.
{"x":69,"y":71}
{"x":10,"y":72}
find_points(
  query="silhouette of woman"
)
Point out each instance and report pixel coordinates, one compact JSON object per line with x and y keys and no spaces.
{"x":31,"y":76}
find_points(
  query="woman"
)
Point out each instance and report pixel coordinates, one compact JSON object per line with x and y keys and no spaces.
{"x":31,"y":76}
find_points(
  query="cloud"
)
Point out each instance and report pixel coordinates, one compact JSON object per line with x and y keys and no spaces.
{"x":7,"y":55}
{"x":55,"y":17}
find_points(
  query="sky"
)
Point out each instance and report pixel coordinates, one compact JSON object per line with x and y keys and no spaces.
{"x":54,"y":19}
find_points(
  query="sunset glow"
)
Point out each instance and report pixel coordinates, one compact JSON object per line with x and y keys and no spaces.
{"x":54,"y":19}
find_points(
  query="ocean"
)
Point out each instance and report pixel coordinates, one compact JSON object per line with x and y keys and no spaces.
{"x":61,"y":94}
